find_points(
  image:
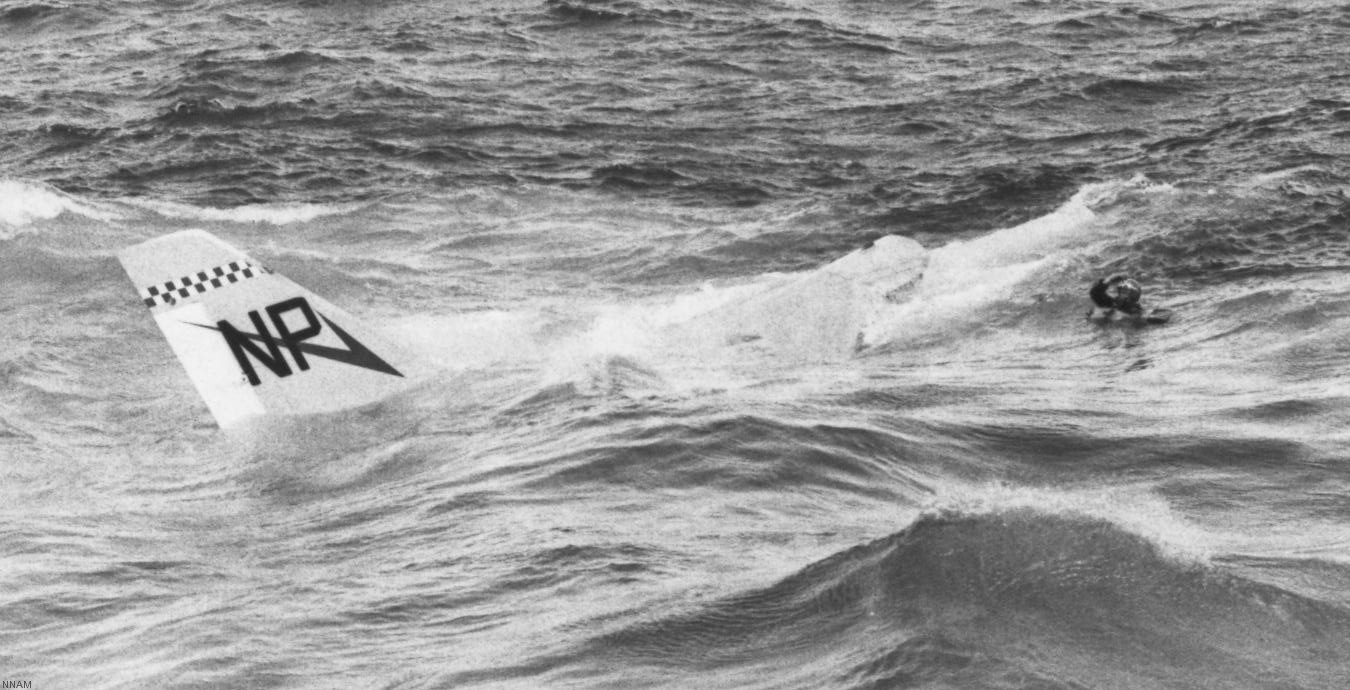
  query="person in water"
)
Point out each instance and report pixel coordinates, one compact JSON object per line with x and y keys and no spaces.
{"x":1119,"y":293}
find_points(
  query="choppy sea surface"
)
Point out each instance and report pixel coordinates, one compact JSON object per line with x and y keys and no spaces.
{"x":989,"y":492}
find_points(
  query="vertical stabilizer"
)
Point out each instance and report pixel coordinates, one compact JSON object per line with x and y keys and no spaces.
{"x":253,"y":342}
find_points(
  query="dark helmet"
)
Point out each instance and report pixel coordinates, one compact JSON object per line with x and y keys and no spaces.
{"x":1117,"y":292}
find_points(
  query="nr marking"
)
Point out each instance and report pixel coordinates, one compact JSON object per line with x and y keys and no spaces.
{"x":245,"y":345}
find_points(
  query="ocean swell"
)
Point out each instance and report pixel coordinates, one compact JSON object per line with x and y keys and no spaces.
{"x":967,"y":598}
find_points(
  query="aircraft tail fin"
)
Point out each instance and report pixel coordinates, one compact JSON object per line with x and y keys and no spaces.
{"x":254,"y":343}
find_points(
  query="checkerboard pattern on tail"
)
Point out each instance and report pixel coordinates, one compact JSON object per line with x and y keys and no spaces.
{"x":171,"y":291}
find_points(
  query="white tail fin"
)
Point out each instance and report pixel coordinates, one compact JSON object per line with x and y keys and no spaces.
{"x":253,"y":342}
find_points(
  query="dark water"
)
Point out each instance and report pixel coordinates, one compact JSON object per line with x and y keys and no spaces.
{"x":992,"y":493}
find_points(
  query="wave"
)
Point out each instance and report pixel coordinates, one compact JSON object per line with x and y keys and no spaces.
{"x":1115,"y":25}
{"x":588,"y":13}
{"x":22,"y":203}
{"x":39,"y":17}
{"x":198,"y":110}
{"x":741,"y":453}
{"x":28,"y":13}
{"x":604,"y":12}
{"x":1135,"y":90}
{"x":971,"y":598}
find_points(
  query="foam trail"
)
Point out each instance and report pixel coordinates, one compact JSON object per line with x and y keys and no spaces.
{"x":266,"y":214}
{"x":892,"y":291}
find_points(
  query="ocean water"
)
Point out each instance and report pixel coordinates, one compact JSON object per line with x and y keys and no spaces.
{"x":547,"y":200}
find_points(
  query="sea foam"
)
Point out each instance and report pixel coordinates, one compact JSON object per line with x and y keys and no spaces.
{"x":22,"y":203}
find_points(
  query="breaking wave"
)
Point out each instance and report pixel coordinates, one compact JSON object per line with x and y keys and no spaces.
{"x":968,"y":599}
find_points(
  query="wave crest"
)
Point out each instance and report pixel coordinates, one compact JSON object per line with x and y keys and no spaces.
{"x":1101,"y":604}
{"x":23,"y":202}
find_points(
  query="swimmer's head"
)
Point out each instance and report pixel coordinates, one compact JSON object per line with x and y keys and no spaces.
{"x":1100,"y":294}
{"x":1117,"y":292}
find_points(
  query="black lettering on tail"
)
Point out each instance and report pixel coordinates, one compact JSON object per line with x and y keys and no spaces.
{"x":292,"y":340}
{"x":244,"y":345}
{"x":243,"y":342}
